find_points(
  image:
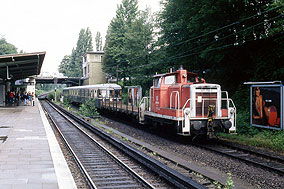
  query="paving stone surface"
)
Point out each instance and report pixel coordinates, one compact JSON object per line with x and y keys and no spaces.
{"x":25,"y":154}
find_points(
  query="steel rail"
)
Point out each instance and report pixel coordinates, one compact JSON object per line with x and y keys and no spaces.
{"x":257,"y":153}
{"x":122,"y":164}
{"x":75,"y":157}
{"x":252,"y":157}
{"x":172,"y":176}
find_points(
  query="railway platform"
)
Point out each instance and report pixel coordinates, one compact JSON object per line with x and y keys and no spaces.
{"x":30,"y":156}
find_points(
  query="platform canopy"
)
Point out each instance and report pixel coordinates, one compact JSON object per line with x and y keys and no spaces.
{"x":20,"y":66}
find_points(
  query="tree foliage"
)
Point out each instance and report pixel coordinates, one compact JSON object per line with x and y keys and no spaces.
{"x":64,"y":66}
{"x":128,"y":41}
{"x":231,"y":41}
{"x":71,"y":65}
{"x":99,"y":42}
{"x":7,"y":48}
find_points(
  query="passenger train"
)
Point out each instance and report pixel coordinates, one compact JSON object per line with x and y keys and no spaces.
{"x":99,"y":92}
{"x":179,"y":99}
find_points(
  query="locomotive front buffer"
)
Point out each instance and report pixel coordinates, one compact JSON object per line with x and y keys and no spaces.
{"x":209,"y":111}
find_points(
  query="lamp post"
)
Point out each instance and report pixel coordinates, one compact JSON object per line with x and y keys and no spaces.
{"x":55,"y":83}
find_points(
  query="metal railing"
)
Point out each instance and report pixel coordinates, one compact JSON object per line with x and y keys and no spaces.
{"x":177,"y":101}
{"x":146,"y":100}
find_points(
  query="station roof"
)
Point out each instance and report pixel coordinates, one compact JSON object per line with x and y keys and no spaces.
{"x":21,"y":66}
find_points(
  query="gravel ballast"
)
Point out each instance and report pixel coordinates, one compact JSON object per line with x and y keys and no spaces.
{"x":254,"y":177}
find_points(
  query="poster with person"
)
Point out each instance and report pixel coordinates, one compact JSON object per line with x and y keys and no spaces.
{"x":267,"y":106}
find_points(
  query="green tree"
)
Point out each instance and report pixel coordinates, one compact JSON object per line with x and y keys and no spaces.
{"x":64,"y":66}
{"x":222,"y":38}
{"x":72,"y":67}
{"x":99,"y":43}
{"x":129,"y":41}
{"x":138,"y":46}
{"x":6,"y":48}
{"x":114,"y":49}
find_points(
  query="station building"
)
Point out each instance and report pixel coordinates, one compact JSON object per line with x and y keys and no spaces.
{"x":17,"y":71}
{"x":93,"y":68}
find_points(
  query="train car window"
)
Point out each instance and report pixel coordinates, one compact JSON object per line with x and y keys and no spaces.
{"x":170,"y":79}
{"x":191,"y":79}
{"x":157,"y":82}
{"x":200,"y":80}
{"x":103,"y":93}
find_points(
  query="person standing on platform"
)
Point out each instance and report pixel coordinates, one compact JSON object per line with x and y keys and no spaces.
{"x":12,"y":96}
{"x":17,"y":98}
{"x":29,"y":98}
{"x":26,"y":98}
{"x":33,"y":98}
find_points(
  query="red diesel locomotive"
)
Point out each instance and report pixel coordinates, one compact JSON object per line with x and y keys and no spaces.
{"x":186,"y":101}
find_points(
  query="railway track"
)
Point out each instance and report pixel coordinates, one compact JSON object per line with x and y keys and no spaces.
{"x":269,"y":162}
{"x":108,"y":167}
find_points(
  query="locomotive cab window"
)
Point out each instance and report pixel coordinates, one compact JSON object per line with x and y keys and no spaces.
{"x":191,"y":79}
{"x":170,"y":79}
{"x":157,"y":82}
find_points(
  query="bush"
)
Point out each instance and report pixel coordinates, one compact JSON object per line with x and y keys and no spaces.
{"x":278,"y":140}
{"x":50,"y":96}
{"x":124,"y":97}
{"x":243,"y":124}
{"x":67,"y":102}
{"x":39,"y":92}
{"x":88,"y":109}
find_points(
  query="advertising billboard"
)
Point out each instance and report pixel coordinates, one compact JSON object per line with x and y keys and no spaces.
{"x":267,"y":106}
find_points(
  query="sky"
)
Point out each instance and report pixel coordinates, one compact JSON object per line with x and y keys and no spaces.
{"x":54,"y":25}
